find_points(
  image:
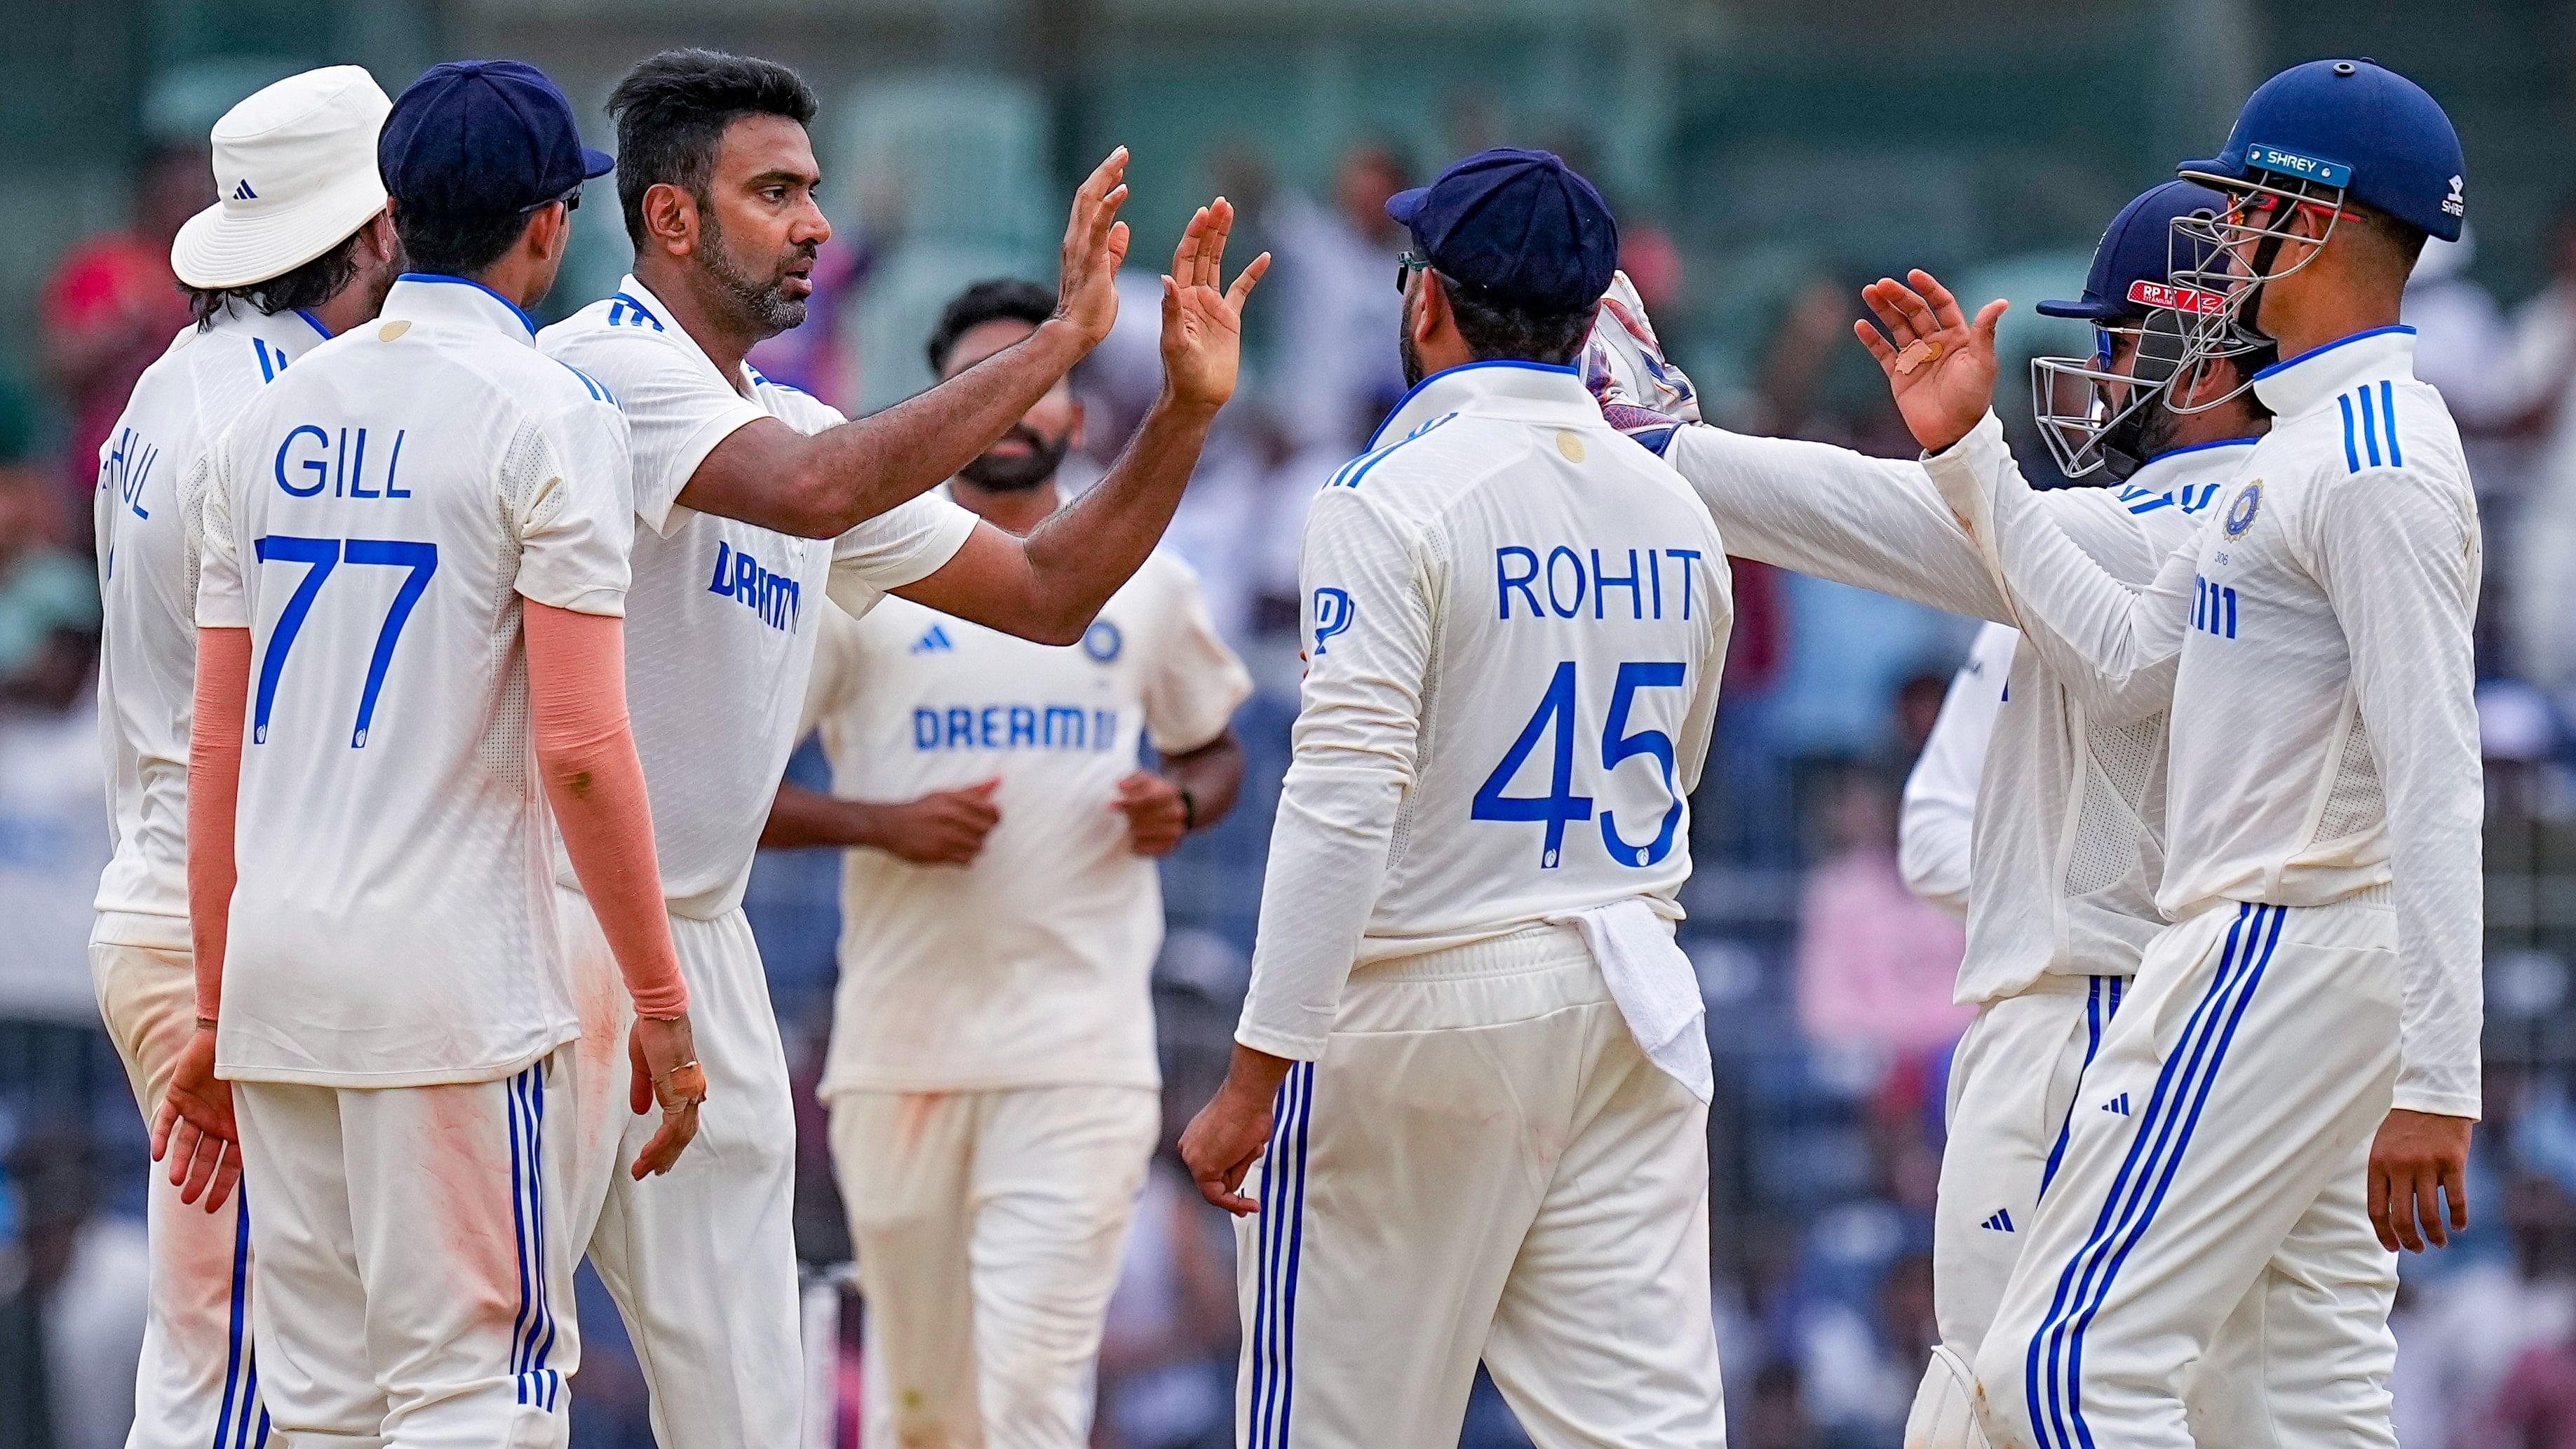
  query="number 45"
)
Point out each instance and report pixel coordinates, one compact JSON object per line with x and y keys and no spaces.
{"x":1560,"y":804}
{"x":320,"y":556}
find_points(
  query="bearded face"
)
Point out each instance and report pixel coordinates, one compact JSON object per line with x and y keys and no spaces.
{"x":1019,"y":460}
{"x":773,"y":291}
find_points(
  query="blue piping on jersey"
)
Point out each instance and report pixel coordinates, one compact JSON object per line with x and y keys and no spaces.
{"x":315,"y":322}
{"x":1452,"y":371}
{"x":445,"y":280}
{"x":2286,"y":363}
{"x":643,"y":314}
{"x":1350,"y":473}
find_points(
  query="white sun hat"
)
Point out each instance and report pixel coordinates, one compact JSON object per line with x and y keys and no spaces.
{"x":295,"y":166}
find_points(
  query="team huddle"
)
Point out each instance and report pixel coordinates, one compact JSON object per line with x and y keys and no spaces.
{"x":450,"y":682}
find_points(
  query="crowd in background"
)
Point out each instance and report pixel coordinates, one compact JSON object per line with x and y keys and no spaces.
{"x":1829,"y":984}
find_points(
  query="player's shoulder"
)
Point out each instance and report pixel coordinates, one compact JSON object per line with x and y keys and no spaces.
{"x":616,"y":341}
{"x":793,"y":405}
{"x":502,"y":380}
{"x":1445,"y":450}
{"x":616,"y":318}
{"x":2386,"y":419}
{"x":207,"y":371}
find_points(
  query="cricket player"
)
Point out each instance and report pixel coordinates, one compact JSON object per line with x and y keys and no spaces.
{"x":2053,"y":854}
{"x":991,"y":1077}
{"x":415,"y":551}
{"x":1472,"y":1065}
{"x":298,"y":250}
{"x":2286,"y":1096}
{"x":752,"y":501}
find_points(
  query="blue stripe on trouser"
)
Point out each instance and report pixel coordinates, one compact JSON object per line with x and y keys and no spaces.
{"x":2154,"y":1133}
{"x":241,"y":1371}
{"x":532,"y":1332}
{"x":2252,"y":979}
{"x":2101,"y":1003}
{"x":1273,"y":1348}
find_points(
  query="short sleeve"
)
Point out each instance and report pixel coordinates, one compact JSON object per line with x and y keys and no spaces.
{"x":677,"y":408}
{"x":207,"y":493}
{"x":565,"y":477}
{"x":1194,"y":681}
{"x":903,"y":545}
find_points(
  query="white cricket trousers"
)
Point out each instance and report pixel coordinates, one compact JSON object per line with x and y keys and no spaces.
{"x":702,"y":1259}
{"x":2013,"y":1083}
{"x":198,"y":1382}
{"x":415,"y":1274}
{"x":1482,"y":1165}
{"x":2212,"y":1184}
{"x":988,"y":1228}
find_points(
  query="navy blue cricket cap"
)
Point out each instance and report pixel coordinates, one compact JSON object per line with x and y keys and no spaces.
{"x":2133,"y":261}
{"x":483,"y":138}
{"x":1519,"y":226}
{"x":2355,"y":124}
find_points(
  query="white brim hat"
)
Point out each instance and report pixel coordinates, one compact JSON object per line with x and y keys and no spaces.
{"x":295,"y":166}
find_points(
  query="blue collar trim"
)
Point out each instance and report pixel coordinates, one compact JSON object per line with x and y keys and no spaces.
{"x":2200,"y":447}
{"x":445,"y":280}
{"x":316,"y":323}
{"x":2286,"y":363}
{"x":1416,"y":389}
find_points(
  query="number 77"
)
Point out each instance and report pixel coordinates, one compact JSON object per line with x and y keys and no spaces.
{"x":321,"y":555}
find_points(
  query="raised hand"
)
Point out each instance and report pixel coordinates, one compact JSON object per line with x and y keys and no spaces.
{"x":1095,"y":246}
{"x":1939,"y":364}
{"x":193,"y":1131}
{"x":1202,"y":325}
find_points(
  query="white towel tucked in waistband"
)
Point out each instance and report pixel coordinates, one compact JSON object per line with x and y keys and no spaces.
{"x":1654,"y":985}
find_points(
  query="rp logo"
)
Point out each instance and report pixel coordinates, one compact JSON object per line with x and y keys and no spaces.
{"x":1332,"y":615}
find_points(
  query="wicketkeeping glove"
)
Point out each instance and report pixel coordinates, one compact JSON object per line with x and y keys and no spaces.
{"x":1640,"y":392}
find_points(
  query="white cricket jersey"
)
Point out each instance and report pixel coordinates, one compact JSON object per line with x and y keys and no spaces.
{"x":1933,"y":835}
{"x":1030,"y":966}
{"x":2067,"y":841}
{"x":2313,"y":644}
{"x":374,"y":518}
{"x":722,"y":617}
{"x":1514,"y":623}
{"x":148,"y":540}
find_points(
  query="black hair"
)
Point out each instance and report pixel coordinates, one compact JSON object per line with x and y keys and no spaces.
{"x":457,"y":244}
{"x":310,"y":285}
{"x":994,"y":299}
{"x":672,"y":110}
{"x":1493,"y":328}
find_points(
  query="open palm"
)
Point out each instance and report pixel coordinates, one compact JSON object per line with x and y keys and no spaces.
{"x":1095,"y":246}
{"x":1939,"y":364}
{"x":1202,"y":318}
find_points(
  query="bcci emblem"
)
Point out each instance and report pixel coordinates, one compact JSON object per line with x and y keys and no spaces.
{"x":2240,"y":514}
{"x":1101,"y":641}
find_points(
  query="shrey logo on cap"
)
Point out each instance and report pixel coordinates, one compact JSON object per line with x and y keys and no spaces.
{"x":2291,"y":163}
{"x":2455,"y":204}
{"x":2178,"y":299}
